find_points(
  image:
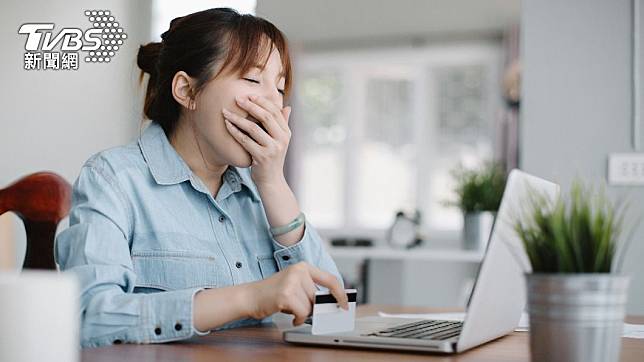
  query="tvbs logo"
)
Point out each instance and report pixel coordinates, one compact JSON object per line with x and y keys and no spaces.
{"x":72,"y":38}
{"x":100,"y":42}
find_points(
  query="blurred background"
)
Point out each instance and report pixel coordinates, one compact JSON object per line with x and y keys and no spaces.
{"x":389,"y":97}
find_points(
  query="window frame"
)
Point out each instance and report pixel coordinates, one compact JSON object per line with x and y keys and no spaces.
{"x":355,"y":65}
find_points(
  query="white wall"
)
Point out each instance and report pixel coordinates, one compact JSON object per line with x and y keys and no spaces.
{"x":54,"y":120}
{"x":576,"y":106}
{"x":335,"y":22}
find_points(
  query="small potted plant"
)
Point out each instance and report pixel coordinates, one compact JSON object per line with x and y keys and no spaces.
{"x":576,"y":299}
{"x":479,"y":192}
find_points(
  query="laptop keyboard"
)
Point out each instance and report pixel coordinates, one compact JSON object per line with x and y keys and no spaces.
{"x":427,"y":329}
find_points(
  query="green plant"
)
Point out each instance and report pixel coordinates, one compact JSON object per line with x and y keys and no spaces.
{"x":479,"y":189}
{"x":578,"y":235}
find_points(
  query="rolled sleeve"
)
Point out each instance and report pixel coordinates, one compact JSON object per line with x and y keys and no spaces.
{"x":95,"y":248}
{"x":309,"y":249}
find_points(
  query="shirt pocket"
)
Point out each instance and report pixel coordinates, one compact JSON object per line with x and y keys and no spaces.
{"x":267,"y":265}
{"x":174,"y":270}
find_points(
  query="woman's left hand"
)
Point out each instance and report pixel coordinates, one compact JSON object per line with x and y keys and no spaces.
{"x":267,"y":148}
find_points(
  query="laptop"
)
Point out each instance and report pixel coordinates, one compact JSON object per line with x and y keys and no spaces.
{"x":496,"y":302}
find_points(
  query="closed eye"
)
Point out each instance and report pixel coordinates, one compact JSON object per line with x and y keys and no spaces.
{"x":252,"y":80}
{"x":257,"y":82}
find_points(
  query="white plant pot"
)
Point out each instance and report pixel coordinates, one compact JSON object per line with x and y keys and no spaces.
{"x":576,"y":317}
{"x":477,"y":227}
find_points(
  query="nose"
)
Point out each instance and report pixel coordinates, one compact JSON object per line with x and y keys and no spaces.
{"x":271,"y":93}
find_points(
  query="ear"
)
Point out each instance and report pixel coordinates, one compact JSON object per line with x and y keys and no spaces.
{"x":182,"y":90}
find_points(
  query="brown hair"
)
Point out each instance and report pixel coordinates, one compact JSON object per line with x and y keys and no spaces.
{"x":194,"y":44}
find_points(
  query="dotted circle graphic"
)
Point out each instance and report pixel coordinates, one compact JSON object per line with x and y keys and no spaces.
{"x":112,"y":35}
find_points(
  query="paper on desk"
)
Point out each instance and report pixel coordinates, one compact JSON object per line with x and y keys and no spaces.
{"x":633,"y":331}
{"x":630,"y":330}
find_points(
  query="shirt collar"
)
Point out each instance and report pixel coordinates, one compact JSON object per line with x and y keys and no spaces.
{"x":168,"y":168}
{"x":235,"y":177}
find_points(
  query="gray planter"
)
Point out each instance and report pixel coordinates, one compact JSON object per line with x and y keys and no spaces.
{"x":477,"y":227}
{"x":576,"y":317}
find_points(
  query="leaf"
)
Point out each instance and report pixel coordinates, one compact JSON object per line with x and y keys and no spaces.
{"x":576,"y":235}
{"x":481,"y":189}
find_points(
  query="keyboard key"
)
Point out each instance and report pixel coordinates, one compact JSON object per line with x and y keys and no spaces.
{"x":426,"y":329}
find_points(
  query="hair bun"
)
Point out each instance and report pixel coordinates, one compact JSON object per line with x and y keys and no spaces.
{"x":148,"y":57}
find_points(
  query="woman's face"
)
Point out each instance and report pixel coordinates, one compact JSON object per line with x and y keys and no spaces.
{"x":216,"y":143}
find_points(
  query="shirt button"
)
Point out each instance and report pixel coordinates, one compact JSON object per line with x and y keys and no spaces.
{"x":178,"y":327}
{"x":222,"y":218}
{"x":286,"y":257}
{"x":238,"y":265}
{"x":157,"y":331}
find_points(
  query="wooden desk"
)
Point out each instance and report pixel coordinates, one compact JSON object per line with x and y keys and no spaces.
{"x":265,"y":344}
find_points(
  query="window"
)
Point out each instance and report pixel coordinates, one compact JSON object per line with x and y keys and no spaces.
{"x":379,"y":131}
{"x":323,"y":132}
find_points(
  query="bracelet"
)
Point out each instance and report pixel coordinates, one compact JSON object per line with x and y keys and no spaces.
{"x":297,"y":222}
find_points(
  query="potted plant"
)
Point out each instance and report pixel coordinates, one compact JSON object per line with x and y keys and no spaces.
{"x":479,"y":192}
{"x":576,"y":299}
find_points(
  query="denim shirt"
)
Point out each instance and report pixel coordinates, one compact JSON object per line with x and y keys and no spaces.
{"x":145,"y":235}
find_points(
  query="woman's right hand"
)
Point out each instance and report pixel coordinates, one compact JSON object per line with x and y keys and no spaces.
{"x":292,"y":291}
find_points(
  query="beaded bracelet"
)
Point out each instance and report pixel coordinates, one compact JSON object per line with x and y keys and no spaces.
{"x":297,"y":222}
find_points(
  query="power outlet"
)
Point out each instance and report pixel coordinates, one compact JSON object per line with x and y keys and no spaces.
{"x":626,"y":169}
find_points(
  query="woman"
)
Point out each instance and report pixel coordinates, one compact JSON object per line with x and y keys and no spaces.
{"x":193,"y":226}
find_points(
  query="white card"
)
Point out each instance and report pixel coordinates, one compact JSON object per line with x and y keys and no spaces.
{"x":329,"y":317}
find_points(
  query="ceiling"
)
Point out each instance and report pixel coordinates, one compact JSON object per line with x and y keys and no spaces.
{"x":337,"y":21}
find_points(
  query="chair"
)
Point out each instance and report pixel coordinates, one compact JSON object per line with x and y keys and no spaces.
{"x":41,"y":200}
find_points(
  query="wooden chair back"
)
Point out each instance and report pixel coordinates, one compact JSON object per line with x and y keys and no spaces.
{"x":41,"y":200}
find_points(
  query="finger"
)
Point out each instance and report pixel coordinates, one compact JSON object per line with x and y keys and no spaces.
{"x":244,"y":140}
{"x":329,"y":281}
{"x":265,"y":116}
{"x":286,"y":112}
{"x":266,"y":112}
{"x":301,"y":308}
{"x":309,"y":288}
{"x":252,"y":128}
{"x":267,"y":104}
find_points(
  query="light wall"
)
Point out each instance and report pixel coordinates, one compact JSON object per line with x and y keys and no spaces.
{"x":55,"y":120}
{"x":338,"y":23}
{"x":576,"y":102}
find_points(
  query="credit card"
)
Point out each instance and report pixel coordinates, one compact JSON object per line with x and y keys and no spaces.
{"x":329,"y":317}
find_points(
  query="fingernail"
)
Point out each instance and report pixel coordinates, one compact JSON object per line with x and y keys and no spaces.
{"x":225,"y":111}
{"x":240,"y":100}
{"x":253,"y":98}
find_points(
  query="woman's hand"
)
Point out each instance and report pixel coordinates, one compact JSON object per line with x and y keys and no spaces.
{"x":292,"y":291}
{"x":267,"y":147}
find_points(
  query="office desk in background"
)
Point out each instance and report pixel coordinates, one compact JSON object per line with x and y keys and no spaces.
{"x":265,"y":344}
